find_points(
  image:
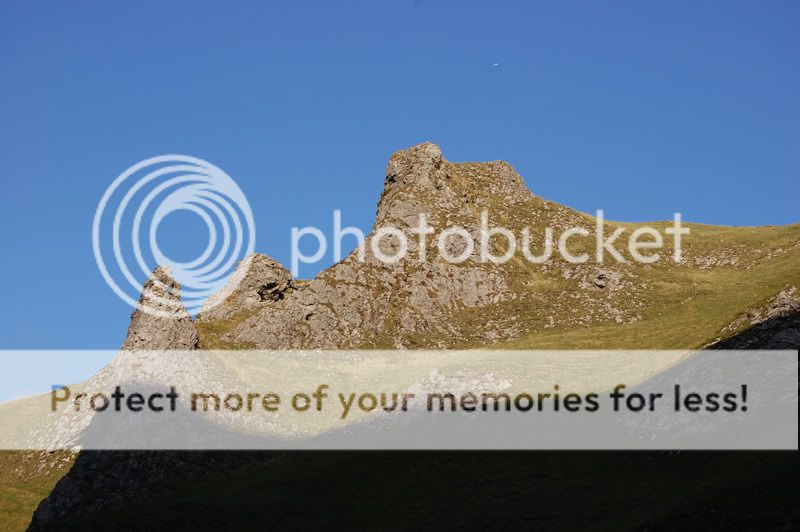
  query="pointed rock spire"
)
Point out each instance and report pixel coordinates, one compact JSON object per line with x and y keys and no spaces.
{"x":161,"y":321}
{"x":416,"y":173}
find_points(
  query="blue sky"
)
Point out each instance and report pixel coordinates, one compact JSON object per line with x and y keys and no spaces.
{"x":639,"y":108}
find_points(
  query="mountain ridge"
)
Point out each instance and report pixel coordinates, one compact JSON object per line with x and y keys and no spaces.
{"x":368,"y":304}
{"x":732,"y":280}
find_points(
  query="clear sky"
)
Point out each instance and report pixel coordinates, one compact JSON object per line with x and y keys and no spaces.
{"x":639,"y":108}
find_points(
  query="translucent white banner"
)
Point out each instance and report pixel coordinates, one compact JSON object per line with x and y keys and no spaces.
{"x":481,"y":399}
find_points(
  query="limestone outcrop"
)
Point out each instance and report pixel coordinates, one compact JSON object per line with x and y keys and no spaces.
{"x":161,"y":321}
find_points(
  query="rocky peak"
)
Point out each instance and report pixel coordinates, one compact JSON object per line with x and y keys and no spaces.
{"x":160,"y":321}
{"x":258,"y":280}
{"x":421,"y":165}
{"x":161,"y":292}
{"x":420,"y":179}
{"x":414,"y":177}
{"x":369,"y":302}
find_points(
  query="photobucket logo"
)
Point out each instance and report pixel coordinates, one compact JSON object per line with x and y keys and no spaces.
{"x":457,"y":244}
{"x":134,"y":205}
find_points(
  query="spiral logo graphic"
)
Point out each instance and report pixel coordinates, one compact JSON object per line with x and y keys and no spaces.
{"x":124,"y":233}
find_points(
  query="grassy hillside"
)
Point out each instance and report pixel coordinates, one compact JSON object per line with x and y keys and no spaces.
{"x":25,"y":479}
{"x":690,"y":307}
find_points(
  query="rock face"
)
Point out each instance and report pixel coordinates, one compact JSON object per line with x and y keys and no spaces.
{"x":257,"y":281}
{"x":161,"y":321}
{"x":427,"y":301}
{"x":365,"y":302}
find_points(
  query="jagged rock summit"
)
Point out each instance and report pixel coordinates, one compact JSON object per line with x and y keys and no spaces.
{"x":365,"y":302}
{"x":420,"y":179}
{"x":426,"y":301}
{"x":257,"y":280}
{"x":160,"y":321}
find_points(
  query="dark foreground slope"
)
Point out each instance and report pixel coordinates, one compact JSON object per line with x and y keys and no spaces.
{"x":534,"y":490}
